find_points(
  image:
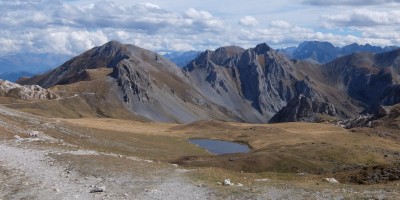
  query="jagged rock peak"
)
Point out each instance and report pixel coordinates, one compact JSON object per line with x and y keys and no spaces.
{"x":262,"y":48}
{"x":110,"y":48}
{"x":113,"y":44}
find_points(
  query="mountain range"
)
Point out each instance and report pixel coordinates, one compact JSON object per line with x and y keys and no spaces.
{"x":324,"y":52}
{"x":31,"y":62}
{"x":181,"y":59}
{"x":253,"y":85}
{"x":15,"y":66}
{"x":14,"y":76}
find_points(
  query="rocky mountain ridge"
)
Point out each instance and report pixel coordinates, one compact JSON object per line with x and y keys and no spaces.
{"x":235,"y":84}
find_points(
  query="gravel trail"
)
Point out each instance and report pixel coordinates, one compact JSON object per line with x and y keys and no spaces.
{"x":28,"y":173}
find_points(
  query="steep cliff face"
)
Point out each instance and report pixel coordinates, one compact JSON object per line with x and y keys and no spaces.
{"x":266,"y":80}
{"x":302,"y":108}
{"x":216,"y":77}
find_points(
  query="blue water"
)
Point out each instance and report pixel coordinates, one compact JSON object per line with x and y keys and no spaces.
{"x":220,"y":147}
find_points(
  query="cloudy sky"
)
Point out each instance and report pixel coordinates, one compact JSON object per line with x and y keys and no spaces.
{"x":73,"y":26}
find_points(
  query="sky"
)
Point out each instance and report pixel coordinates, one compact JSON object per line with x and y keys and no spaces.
{"x":73,"y":26}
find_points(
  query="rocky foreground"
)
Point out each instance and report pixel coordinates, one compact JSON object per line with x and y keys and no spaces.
{"x":34,"y":165}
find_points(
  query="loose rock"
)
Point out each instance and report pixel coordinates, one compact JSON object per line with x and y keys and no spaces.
{"x":331,"y":180}
{"x":98,"y":189}
{"x":227,"y":182}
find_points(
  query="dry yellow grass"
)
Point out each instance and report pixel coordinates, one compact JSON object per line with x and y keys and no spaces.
{"x":287,"y":147}
{"x":129,"y":126}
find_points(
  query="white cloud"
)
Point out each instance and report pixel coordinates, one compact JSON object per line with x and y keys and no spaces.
{"x":349,"y":2}
{"x":363,"y":17}
{"x":249,"y":21}
{"x":203,"y":20}
{"x":282,"y":34}
{"x":150,"y":5}
{"x":199,"y":15}
{"x":280,"y":24}
{"x":71,"y":28}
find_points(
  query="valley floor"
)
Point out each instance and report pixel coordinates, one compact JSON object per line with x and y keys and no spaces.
{"x":43,"y":158}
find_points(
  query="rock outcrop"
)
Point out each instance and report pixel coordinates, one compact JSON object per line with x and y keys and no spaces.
{"x":26,"y":92}
{"x":383,"y":115}
{"x":302,"y":108}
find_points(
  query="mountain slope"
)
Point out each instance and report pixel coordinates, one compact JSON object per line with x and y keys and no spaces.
{"x":365,"y":77}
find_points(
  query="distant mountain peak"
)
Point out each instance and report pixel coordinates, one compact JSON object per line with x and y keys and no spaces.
{"x":181,"y":59}
{"x":230,"y":51}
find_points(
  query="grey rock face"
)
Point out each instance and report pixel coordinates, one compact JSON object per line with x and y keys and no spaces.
{"x":265,"y":79}
{"x":258,"y":82}
{"x":383,"y":111}
{"x":367,"y":78}
{"x":390,"y":96}
{"x":302,"y":108}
